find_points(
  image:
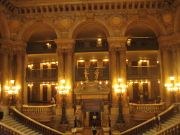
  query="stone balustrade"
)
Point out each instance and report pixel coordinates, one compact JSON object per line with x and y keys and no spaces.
{"x":34,"y":124}
{"x":147,"y":108}
{"x":84,"y":6}
{"x":39,"y":113}
{"x":172,"y":130}
{"x":6,"y":130}
{"x":149,"y":123}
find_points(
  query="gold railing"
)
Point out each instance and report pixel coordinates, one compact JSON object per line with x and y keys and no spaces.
{"x":172,"y":130}
{"x":34,"y":124}
{"x":147,"y":108}
{"x":150,"y":123}
{"x":39,"y":113}
{"x":6,"y":130}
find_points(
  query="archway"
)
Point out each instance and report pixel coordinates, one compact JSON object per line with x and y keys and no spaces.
{"x":143,"y":69}
{"x":91,"y":64}
{"x":42,"y":62}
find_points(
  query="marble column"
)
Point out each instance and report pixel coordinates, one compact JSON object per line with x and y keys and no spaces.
{"x":165,"y":67}
{"x":65,"y":61}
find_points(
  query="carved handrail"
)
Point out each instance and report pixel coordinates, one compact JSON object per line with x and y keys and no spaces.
{"x":38,"y":109}
{"x":172,"y":130}
{"x":34,"y":124}
{"x":39,"y":113}
{"x":150,"y":123}
{"x":7,"y":130}
{"x":147,"y":108}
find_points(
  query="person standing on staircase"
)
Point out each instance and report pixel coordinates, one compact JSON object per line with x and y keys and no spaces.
{"x":158,"y":122}
{"x":94,"y":131}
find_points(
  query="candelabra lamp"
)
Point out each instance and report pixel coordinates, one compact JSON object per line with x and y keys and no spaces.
{"x":120,"y":89}
{"x":12,"y":91}
{"x":63,"y":90}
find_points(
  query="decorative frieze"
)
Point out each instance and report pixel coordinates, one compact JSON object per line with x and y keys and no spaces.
{"x":78,"y":6}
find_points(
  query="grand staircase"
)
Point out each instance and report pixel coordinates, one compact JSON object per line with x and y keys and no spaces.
{"x":172,"y":120}
{"x":22,"y":128}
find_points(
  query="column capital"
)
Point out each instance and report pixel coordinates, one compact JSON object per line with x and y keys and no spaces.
{"x":65,"y":44}
{"x":169,"y":41}
{"x":117,"y":42}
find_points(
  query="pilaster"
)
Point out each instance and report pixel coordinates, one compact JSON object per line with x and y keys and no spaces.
{"x":169,"y":55}
{"x":65,"y":71}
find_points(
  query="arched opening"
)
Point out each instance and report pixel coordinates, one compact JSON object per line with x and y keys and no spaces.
{"x":90,"y":37}
{"x":42,"y":63}
{"x":91,"y":66}
{"x":41,"y":39}
{"x":143,"y":69}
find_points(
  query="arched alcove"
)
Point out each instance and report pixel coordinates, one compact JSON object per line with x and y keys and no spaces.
{"x":141,"y":37}
{"x":40,"y":38}
{"x":90,"y":36}
{"x":91,"y":48}
{"x":143,"y":69}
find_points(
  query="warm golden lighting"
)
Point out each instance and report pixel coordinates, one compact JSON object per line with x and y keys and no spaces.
{"x":81,"y":61}
{"x":99,"y":42}
{"x":172,"y":86}
{"x":63,"y":88}
{"x":12,"y":88}
{"x":93,"y":60}
{"x":30,"y":66}
{"x":48,"y":45}
{"x":105,"y":60}
{"x":171,"y":78}
{"x":129,"y":40}
{"x":30,"y":84}
{"x":120,"y":88}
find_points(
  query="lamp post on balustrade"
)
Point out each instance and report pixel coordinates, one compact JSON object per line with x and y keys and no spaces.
{"x":12,"y":91}
{"x":120,"y":89}
{"x":63,"y":90}
{"x":173,"y":86}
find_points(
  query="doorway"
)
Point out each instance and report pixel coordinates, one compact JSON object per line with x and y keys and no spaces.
{"x":95,"y":119}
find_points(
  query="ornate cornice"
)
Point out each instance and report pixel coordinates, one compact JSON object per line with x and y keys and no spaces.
{"x":68,"y":6}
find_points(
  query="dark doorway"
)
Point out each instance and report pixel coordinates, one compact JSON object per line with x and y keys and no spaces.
{"x":95,"y":119}
{"x":145,"y":91}
{"x":44,"y":93}
{"x":136,"y":93}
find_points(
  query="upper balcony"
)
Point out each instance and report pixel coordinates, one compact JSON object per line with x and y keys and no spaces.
{"x":140,"y":72}
{"x":37,"y":75}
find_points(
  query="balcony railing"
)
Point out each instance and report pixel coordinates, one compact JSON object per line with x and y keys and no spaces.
{"x":39,"y":113}
{"x":137,"y":72}
{"x":34,"y":124}
{"x":41,"y":75}
{"x":147,"y":108}
{"x":151,"y":122}
{"x":6,"y":130}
